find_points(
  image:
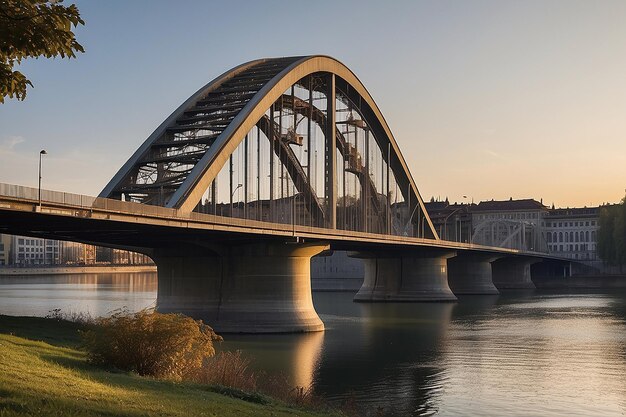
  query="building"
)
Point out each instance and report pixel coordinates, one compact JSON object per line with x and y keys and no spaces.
{"x":514,"y":224}
{"x":75,"y":253}
{"x":520,"y":224}
{"x":451,"y":221}
{"x":572,"y":232}
{"x":5,"y":247}
{"x":28,"y":251}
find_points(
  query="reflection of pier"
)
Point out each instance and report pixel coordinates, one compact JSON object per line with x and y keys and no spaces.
{"x":295,"y":356}
{"x":384,"y":347}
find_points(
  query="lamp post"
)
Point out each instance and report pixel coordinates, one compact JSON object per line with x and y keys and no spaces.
{"x":41,"y":153}
{"x":469,"y":227}
{"x":408,"y":223}
{"x":231,"y":198}
{"x":445,"y":222}
{"x":293,"y":212}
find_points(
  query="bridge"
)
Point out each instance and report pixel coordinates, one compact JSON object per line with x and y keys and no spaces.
{"x":271,"y":163}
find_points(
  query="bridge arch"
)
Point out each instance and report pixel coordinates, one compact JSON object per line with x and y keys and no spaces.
{"x":181,"y":161}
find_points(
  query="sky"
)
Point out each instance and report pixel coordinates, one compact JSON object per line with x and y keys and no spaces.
{"x":486,"y":99}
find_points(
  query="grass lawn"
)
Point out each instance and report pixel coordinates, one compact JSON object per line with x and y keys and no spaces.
{"x":43,"y":373}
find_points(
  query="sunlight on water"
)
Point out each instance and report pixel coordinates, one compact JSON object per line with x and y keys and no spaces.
{"x":538,"y":353}
{"x":95,"y":294}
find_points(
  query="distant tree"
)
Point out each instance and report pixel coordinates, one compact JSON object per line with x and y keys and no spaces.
{"x":30,"y":29}
{"x":611,"y":238}
{"x":619,"y":233}
{"x":606,"y":249}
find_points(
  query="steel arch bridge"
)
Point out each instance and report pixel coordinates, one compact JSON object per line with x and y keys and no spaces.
{"x":295,"y":140}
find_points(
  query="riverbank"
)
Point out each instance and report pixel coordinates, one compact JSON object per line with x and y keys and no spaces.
{"x":65,"y":270}
{"x":43,"y":373}
{"x":595,"y":282}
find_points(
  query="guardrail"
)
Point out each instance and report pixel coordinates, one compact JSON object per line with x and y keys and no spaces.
{"x":82,"y":201}
{"x":78,"y":201}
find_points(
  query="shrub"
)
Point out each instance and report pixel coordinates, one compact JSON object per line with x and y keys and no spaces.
{"x":229,"y":369}
{"x":169,"y":346}
{"x":83,"y":318}
{"x":232,"y":370}
{"x":278,"y":386}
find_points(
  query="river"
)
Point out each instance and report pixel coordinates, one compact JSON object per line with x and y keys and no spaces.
{"x":531,"y":353}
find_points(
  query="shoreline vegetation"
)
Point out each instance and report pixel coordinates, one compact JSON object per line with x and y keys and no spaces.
{"x":45,"y":371}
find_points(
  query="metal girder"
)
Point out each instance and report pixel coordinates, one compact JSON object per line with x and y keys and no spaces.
{"x":295,"y":170}
{"x":248,"y":91}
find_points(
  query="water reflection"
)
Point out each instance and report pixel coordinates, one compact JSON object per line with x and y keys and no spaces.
{"x":547,"y":355}
{"x":95,"y":294}
{"x":294,"y":356}
{"x":387,"y":355}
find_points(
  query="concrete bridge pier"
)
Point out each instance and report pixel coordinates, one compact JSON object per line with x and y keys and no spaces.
{"x":414,"y":276}
{"x":513,"y":273}
{"x":250,"y":288}
{"x":471,"y":274}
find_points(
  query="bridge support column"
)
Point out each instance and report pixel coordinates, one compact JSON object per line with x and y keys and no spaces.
{"x":255,"y":288}
{"x":410,"y":277}
{"x":512,"y":273}
{"x":471,"y":274}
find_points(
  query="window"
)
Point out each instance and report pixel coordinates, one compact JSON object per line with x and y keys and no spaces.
{"x":587,"y":236}
{"x":571,"y":236}
{"x":20,"y":241}
{"x":560,"y":224}
{"x":549,"y":237}
{"x":593,"y":222}
{"x":593,"y":235}
{"x":560,"y":236}
{"x":576,"y":237}
{"x":566,"y":237}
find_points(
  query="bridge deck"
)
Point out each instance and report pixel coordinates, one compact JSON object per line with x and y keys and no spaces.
{"x":105,"y":221}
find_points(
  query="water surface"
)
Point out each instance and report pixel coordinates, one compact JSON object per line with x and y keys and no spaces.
{"x":523,"y":354}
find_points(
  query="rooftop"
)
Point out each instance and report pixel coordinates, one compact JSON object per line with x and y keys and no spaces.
{"x":509,"y":205}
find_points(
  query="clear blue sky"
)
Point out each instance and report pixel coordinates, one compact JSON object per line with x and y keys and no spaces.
{"x":489,"y":99}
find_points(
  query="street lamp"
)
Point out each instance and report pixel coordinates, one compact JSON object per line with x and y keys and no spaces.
{"x":41,"y":153}
{"x":408,"y":223}
{"x":469,"y":227}
{"x":445,"y":222}
{"x":231,"y":198}
{"x":293,"y":212}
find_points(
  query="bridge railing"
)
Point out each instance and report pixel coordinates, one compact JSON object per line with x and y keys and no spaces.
{"x":135,"y":208}
{"x":82,"y":201}
{"x":50,"y":199}
{"x":59,"y":197}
